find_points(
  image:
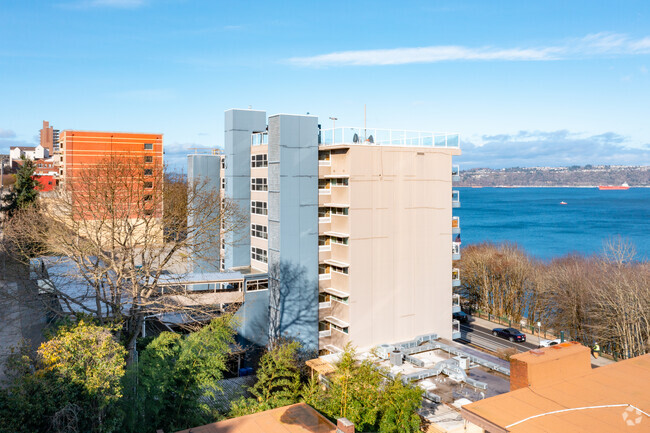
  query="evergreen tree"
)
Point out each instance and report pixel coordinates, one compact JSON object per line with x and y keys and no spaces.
{"x":24,"y":191}
{"x":278,"y":381}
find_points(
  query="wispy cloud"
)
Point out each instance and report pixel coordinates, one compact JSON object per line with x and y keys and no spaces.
{"x":598,"y":44}
{"x":116,"y":4}
{"x":7,"y":133}
{"x":551,"y":148}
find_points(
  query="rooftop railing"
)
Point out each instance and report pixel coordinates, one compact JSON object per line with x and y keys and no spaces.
{"x":387,"y":137}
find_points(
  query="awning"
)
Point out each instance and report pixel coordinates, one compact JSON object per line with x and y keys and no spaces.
{"x":337,"y":234}
{"x":336,"y":293}
{"x":338,"y":322}
{"x":337,"y":263}
{"x":336,"y":176}
{"x":335,"y":205}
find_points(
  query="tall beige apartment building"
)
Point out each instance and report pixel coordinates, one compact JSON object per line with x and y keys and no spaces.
{"x":385,"y":236}
{"x":351,"y":234}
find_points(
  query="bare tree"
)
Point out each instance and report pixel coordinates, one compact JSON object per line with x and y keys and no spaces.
{"x":114,"y":232}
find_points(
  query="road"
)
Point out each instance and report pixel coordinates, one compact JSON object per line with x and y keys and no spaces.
{"x":483,"y":337}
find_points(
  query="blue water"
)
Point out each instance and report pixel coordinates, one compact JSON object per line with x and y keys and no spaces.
{"x":535,"y":219}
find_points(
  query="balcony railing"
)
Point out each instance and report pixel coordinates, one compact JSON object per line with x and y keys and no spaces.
{"x":455,"y":250}
{"x":455,"y":225}
{"x":324,"y":334}
{"x":388,"y":137}
{"x":455,"y":329}
{"x":259,"y":138}
{"x":324,"y":277}
{"x":322,"y":305}
{"x":455,"y":303}
{"x":455,"y":277}
{"x":455,"y":173}
{"x":455,"y":198}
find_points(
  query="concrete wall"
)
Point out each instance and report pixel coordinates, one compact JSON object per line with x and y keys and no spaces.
{"x":205,"y":168}
{"x":400,"y":243}
{"x":293,"y":227}
{"x":238,"y":126}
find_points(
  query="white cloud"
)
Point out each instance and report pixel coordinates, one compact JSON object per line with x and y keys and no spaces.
{"x":592,"y":45}
{"x":7,"y":133}
{"x":117,"y":4}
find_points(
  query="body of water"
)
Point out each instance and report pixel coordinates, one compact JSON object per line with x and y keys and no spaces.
{"x":535,"y":219}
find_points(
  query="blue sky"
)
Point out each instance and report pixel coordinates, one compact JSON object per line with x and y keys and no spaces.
{"x":524,"y":83}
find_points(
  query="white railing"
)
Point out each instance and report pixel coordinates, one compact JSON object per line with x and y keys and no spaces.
{"x":324,"y":247}
{"x":323,"y":334}
{"x":455,"y":247}
{"x":259,"y":138}
{"x":322,"y":305}
{"x":455,"y":300}
{"x":455,"y":198}
{"x":388,"y":137}
{"x":324,"y":191}
{"x":455,"y":326}
{"x":324,"y":162}
{"x":455,"y":275}
{"x":324,"y":220}
{"x":455,"y":222}
{"x":455,"y":170}
{"x":324,"y":276}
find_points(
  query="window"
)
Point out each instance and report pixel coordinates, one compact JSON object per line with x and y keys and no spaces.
{"x":223,"y":163}
{"x":340,"y":329}
{"x":148,"y":184}
{"x":259,"y":231}
{"x":339,"y":211}
{"x":323,"y":269}
{"x":259,"y":184}
{"x":339,"y":182}
{"x":323,"y":240}
{"x":324,"y":155}
{"x":148,"y":172}
{"x":259,"y":160}
{"x":148,"y":159}
{"x":259,"y":207}
{"x":323,"y":212}
{"x":148,"y":146}
{"x":223,"y":183}
{"x":339,"y":270}
{"x":323,"y":184}
{"x":340,"y":241}
{"x":148,"y":212}
{"x":253,"y":285}
{"x":147,"y":197}
{"x":259,"y":254}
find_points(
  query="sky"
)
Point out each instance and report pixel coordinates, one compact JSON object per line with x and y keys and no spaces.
{"x":525,"y":83}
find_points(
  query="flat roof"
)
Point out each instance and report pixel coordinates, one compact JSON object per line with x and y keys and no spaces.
{"x":296,"y":418}
{"x":604,"y":399}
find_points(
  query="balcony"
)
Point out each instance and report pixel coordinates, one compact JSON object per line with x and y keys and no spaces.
{"x":455,"y":329}
{"x":455,"y":303}
{"x":322,"y":277}
{"x":455,"y":173}
{"x":455,"y":277}
{"x":455,"y":225}
{"x":388,"y":137}
{"x":324,"y":305}
{"x":259,"y":138}
{"x":325,"y":334}
{"x":455,"y":250}
{"x":455,"y":198}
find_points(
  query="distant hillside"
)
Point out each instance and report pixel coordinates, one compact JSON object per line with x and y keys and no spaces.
{"x":557,"y":176}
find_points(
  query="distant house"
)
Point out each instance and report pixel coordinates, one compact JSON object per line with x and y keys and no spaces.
{"x":16,"y":153}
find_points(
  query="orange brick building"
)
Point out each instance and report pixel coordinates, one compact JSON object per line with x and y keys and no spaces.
{"x":135,"y":159}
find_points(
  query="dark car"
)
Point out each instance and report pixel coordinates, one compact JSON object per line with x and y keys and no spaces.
{"x":461,"y":317}
{"x":509,"y":334}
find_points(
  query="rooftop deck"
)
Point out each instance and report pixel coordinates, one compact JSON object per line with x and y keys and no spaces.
{"x":388,"y":137}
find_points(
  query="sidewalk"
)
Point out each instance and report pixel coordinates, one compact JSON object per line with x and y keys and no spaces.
{"x":535,"y":339}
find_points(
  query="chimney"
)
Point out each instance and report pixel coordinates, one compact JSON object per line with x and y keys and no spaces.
{"x":343,"y":425}
{"x":549,"y":364}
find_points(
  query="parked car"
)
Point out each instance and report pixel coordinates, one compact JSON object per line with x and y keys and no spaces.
{"x":509,"y":334}
{"x":549,"y":343}
{"x":461,"y":316}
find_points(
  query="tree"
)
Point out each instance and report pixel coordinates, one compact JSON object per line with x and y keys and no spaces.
{"x":73,"y":384}
{"x":178,"y":375}
{"x":400,"y":407}
{"x":113,"y":232}
{"x":24,"y":193}
{"x":278,"y":381}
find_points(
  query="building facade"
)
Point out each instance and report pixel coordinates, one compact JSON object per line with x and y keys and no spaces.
{"x":49,"y":138}
{"x":352,"y":227}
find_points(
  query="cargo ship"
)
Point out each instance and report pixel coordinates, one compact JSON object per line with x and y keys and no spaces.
{"x":612,"y":187}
